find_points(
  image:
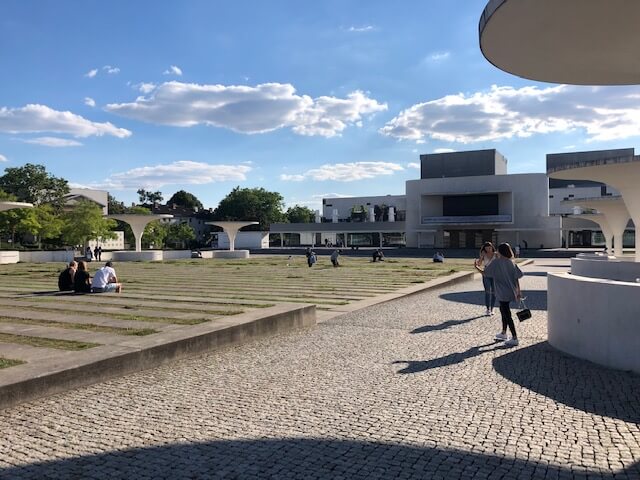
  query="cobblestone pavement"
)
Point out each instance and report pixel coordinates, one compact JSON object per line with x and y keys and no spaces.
{"x":412,"y":389}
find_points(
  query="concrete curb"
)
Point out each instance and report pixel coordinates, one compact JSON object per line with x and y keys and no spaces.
{"x":452,"y":279}
{"x":69,"y":370}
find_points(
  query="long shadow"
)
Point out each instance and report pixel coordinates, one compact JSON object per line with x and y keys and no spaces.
{"x":573,"y":382}
{"x":417,"y":366}
{"x":444,"y":325}
{"x":535,"y":299}
{"x":297,"y":458}
{"x":535,"y":274}
{"x":47,"y":293}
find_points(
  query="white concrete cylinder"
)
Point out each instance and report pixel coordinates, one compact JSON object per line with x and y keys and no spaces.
{"x":392,"y":214}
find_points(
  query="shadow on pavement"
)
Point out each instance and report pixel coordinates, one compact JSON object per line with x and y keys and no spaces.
{"x":296,"y":458}
{"x":445,"y":325}
{"x":535,"y":274}
{"x":535,"y":299}
{"x":417,"y":366}
{"x":573,"y":382}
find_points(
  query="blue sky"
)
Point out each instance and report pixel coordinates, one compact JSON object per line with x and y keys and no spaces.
{"x":309,"y":99}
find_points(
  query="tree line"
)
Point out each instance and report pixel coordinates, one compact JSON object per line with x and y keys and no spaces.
{"x":55,"y":223}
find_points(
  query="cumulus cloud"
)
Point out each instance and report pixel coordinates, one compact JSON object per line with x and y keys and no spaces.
{"x":183,"y":172}
{"x":602,"y":113}
{"x":89,"y":101}
{"x":345,"y":172}
{"x":3,"y":158}
{"x":53,"y":142}
{"x":40,"y":118}
{"x":443,"y":150}
{"x":363,"y":28}
{"x":173,"y":70}
{"x":331,"y":195}
{"x":111,"y":70}
{"x":145,"y":87}
{"x":246,"y":109}
{"x":91,"y":73}
{"x":439,"y":56}
{"x":413,"y":165}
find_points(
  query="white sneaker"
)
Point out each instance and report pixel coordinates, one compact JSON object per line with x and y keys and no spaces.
{"x":487,"y":313}
{"x":513,"y":342}
{"x":501,"y":336}
{"x":491,"y":313}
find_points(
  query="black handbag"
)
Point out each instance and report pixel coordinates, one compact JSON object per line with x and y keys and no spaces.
{"x":524,"y":313}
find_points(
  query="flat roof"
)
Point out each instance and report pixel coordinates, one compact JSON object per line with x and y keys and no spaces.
{"x":580,"y":42}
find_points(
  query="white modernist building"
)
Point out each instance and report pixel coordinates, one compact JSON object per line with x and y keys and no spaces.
{"x":461,"y":200}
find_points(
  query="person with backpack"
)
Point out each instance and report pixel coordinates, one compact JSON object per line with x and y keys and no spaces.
{"x":506,"y":277}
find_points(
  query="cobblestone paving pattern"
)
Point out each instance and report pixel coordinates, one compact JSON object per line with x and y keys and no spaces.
{"x":412,"y":389}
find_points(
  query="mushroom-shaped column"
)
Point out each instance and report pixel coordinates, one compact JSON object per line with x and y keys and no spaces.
{"x":622,"y":173}
{"x":4,"y":206}
{"x":581,"y":42}
{"x":231,"y":229}
{"x":137,"y":222}
{"x":613,"y":217}
{"x":602,"y":222}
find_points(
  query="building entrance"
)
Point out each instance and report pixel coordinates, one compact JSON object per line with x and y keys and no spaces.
{"x":468,"y":238}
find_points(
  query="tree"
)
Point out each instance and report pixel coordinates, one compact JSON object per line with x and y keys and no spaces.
{"x":251,"y":204}
{"x":147,"y":197}
{"x":42,"y":222}
{"x":300,"y":214}
{"x":31,"y":183}
{"x":115,"y":206}
{"x":85,"y":222}
{"x":180,"y":233}
{"x":154,"y":234}
{"x":185,"y":199}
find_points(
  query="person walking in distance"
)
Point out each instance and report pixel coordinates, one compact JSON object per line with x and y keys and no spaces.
{"x":506,"y":277}
{"x":487,"y":255}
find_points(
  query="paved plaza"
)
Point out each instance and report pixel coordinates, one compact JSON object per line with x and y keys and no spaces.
{"x":412,"y":389}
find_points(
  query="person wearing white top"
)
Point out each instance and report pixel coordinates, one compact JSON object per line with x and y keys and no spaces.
{"x":105,"y":280}
{"x":487,"y":255}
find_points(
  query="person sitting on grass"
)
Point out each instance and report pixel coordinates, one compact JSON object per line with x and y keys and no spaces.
{"x":438,"y":257}
{"x":65,"y":279}
{"x":105,"y":280}
{"x":378,"y":255}
{"x":82,"y":279}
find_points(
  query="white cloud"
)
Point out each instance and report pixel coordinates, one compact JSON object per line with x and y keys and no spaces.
{"x":345,"y":172}
{"x":364,"y":28}
{"x":53,"y":142}
{"x":331,"y":195}
{"x":111,"y":70}
{"x":443,"y":150}
{"x":184,"y":172}
{"x":40,"y":118}
{"x":246,"y":109}
{"x":173,"y":70}
{"x":91,"y":73}
{"x":602,"y":113}
{"x":89,"y":101}
{"x":439,"y":56}
{"x":3,"y":158}
{"x":146,"y":87}
{"x":413,"y":165}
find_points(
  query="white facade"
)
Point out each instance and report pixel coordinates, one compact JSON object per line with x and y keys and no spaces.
{"x":244,"y":240}
{"x":109,"y":244}
{"x":344,"y":206}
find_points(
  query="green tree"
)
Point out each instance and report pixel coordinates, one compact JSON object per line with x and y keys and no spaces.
{"x":115,"y":206}
{"x":42,"y":222}
{"x":154,"y":234}
{"x":148,"y":197}
{"x":31,"y":183}
{"x":185,"y":199}
{"x":85,"y":222}
{"x":179,"y":234}
{"x":251,"y":204}
{"x":300,"y":214}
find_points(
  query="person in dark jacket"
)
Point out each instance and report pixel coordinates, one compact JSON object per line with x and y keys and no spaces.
{"x":66,"y":277}
{"x":82,"y":279}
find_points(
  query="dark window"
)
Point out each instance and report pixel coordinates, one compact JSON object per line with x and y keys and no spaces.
{"x":571,"y":196}
{"x":328,"y":205}
{"x":469,"y":205}
{"x":550,"y":196}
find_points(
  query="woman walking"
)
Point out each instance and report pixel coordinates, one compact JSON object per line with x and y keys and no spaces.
{"x":487,"y":255}
{"x":506,"y":275}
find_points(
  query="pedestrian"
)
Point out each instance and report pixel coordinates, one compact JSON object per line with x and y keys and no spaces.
{"x":487,"y":255}
{"x":82,"y":279}
{"x":506,"y":279}
{"x":335,"y":257}
{"x":66,"y":277}
{"x":311,"y":257}
{"x":99,"y":253}
{"x":518,"y":251}
{"x":88,"y":254}
{"x":95,"y":253}
{"x":105,"y":280}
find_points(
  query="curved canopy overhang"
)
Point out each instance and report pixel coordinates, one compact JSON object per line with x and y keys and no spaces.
{"x":4,"y":206}
{"x":580,"y":42}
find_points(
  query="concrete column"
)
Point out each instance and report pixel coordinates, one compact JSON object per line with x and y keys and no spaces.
{"x":631,"y":197}
{"x":281,"y":240}
{"x":334,"y":215}
{"x":318,"y":218}
{"x":380,"y":239}
{"x":617,"y":217}
{"x":372,"y":214}
{"x":392,"y":214}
